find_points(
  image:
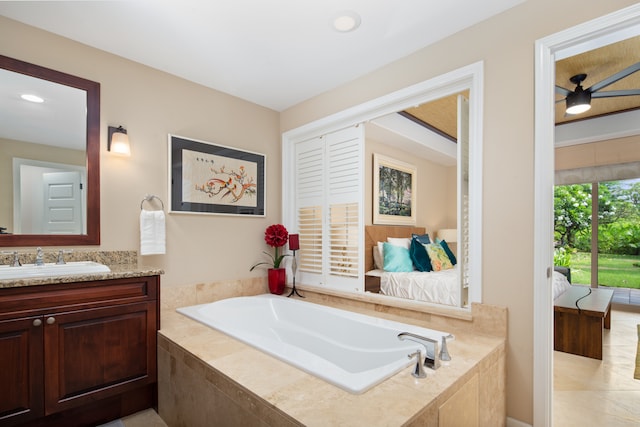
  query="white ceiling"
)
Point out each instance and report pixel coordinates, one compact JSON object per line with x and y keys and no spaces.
{"x":406,"y":135}
{"x":275,"y":53}
{"x":59,"y":120}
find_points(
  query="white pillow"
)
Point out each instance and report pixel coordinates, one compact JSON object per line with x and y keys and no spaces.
{"x":378,"y":256}
{"x":560,"y":284}
{"x":404,"y":242}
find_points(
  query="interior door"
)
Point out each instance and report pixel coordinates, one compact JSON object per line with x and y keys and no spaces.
{"x":62,"y":203}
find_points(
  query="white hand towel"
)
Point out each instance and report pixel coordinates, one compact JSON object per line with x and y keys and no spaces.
{"x":152,"y":232}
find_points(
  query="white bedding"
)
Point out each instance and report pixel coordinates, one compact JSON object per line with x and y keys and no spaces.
{"x":441,"y":287}
{"x":560,"y":284}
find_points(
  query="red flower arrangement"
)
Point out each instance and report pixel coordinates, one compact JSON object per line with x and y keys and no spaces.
{"x":276,"y":236}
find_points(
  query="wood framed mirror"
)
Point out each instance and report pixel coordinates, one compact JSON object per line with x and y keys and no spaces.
{"x":88,"y":232}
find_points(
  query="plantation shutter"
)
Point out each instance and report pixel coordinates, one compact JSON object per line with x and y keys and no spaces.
{"x":328,"y":193}
{"x":309,"y":200}
{"x":344,"y":205}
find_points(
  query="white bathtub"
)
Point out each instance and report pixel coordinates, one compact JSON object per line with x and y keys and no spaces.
{"x":350,"y":350}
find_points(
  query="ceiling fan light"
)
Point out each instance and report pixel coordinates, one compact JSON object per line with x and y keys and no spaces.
{"x":578,"y":101}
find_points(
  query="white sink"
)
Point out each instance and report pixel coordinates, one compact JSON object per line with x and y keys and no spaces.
{"x":27,"y":271}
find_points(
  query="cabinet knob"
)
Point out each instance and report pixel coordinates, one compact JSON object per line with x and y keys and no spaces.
{"x":37,"y":322}
{"x":51,"y":320}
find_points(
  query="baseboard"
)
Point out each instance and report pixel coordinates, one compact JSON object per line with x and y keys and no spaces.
{"x":512,"y":422}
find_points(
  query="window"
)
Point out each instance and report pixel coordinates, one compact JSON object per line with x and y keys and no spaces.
{"x":597,"y":230}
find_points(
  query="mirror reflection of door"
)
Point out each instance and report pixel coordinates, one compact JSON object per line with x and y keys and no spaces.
{"x":62,"y":205}
{"x":49,"y":198}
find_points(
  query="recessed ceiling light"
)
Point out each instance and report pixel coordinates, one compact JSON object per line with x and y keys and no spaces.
{"x":346,"y":21}
{"x":31,"y":98}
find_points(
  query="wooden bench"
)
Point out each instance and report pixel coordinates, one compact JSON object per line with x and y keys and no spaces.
{"x":578,"y":329}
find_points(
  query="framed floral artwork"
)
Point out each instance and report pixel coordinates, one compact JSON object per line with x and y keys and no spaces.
{"x":206,"y":178}
{"x":394,"y":191}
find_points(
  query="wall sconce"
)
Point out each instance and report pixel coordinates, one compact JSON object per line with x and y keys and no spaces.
{"x":118,"y":141}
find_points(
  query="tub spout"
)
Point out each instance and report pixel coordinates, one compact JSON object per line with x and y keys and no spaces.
{"x":431,"y":359}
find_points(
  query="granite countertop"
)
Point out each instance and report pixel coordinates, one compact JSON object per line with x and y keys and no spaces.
{"x":118,"y":271}
{"x":122,"y":264}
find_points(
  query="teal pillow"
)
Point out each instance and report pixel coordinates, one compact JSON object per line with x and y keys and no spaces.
{"x":448,"y":251}
{"x":396,"y":259}
{"x":419,"y":255}
{"x":422,"y":238}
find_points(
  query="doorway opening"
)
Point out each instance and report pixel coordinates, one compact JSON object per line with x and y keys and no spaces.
{"x":599,"y":32}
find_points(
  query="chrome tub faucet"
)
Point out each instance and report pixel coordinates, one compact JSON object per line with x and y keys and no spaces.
{"x":418,"y":370}
{"x":431,"y":358}
{"x":444,"y":352}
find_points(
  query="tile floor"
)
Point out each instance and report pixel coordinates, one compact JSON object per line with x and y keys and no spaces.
{"x":147,"y":418}
{"x":590,"y":392}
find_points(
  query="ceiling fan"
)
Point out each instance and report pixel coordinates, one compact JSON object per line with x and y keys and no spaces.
{"x":579,"y":100}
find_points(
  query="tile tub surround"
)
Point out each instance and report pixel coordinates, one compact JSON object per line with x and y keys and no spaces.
{"x":205,"y":377}
{"x":123,"y":264}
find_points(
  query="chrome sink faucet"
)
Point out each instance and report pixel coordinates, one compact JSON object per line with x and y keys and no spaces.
{"x":61,"y":253}
{"x":431,"y":359}
{"x":15,"y":262}
{"x":39,"y":256}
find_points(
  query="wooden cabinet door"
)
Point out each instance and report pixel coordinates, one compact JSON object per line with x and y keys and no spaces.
{"x":21,"y":362}
{"x":96,"y":353}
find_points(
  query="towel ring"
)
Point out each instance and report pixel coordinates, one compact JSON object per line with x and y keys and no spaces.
{"x":149,"y":198}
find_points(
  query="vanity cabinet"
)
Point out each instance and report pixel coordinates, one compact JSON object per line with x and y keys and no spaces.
{"x":21,"y":358}
{"x":79,"y":353}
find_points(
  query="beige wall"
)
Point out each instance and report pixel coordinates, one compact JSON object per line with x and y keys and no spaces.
{"x":610,"y":152}
{"x":436,"y":195}
{"x":24,"y":150}
{"x":151,"y":104}
{"x":506,"y":45}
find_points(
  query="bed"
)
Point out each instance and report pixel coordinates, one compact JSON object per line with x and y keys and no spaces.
{"x":560,"y":283}
{"x":441,"y":287}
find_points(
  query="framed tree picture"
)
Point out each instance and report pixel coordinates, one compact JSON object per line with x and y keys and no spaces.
{"x":394,"y":191}
{"x":207,"y":178}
